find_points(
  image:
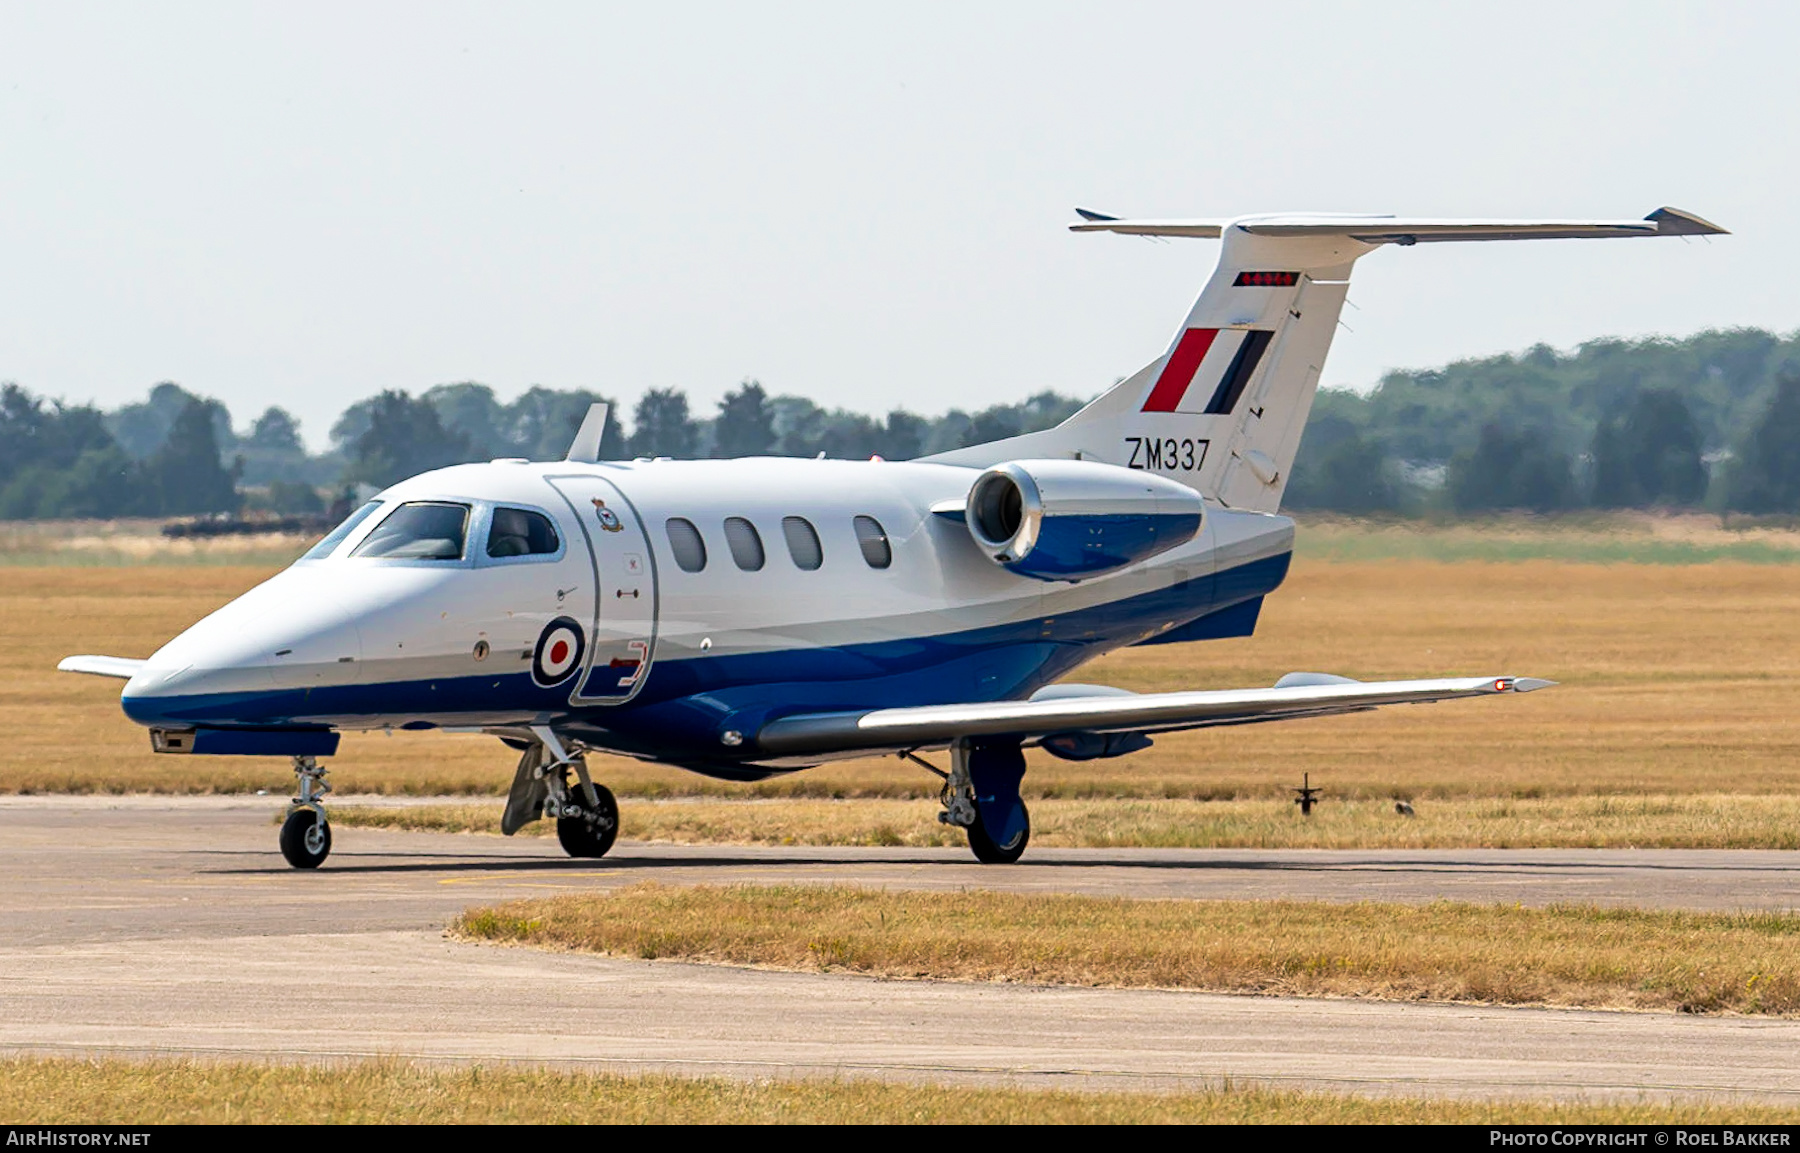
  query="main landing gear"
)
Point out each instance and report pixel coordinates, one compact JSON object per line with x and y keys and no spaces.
{"x":551,"y":782}
{"x":587,"y":818}
{"x":306,"y":834}
{"x":981,"y":796}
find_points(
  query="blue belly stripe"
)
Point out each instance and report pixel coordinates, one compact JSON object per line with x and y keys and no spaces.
{"x":687,"y":703}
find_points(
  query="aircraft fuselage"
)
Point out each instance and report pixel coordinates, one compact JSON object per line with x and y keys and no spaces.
{"x":836,"y":587}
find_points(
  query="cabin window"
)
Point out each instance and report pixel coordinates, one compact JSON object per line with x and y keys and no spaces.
{"x":802,"y":542}
{"x":685,"y":543}
{"x":520,"y":532}
{"x":336,"y":537}
{"x":745,"y":544}
{"x":419,"y":530}
{"x":873,"y":540}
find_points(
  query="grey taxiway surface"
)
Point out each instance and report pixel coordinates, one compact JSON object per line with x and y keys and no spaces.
{"x":171,"y":926}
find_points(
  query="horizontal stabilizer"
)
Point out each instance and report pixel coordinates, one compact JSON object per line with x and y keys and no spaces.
{"x":936,"y":725}
{"x":122,"y":667}
{"x":1409,"y":230}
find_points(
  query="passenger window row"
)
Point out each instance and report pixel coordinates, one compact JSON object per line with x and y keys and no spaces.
{"x":746,"y":544}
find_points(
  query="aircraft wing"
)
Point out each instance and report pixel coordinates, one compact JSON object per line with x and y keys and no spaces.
{"x":122,"y":667}
{"x":1104,"y":711}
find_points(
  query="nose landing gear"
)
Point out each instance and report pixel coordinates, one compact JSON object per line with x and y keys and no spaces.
{"x":306,"y":834}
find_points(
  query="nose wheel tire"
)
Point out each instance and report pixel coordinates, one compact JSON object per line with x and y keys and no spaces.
{"x":593,"y":832}
{"x":988,"y":852}
{"x":305,"y":838}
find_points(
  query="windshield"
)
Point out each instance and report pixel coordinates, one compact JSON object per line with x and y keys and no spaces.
{"x":419,"y":530}
{"x":336,"y":537}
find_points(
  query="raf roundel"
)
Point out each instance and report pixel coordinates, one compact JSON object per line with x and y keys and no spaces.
{"x":558,"y":652}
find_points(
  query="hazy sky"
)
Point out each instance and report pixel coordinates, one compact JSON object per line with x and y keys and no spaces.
{"x":301,"y":204}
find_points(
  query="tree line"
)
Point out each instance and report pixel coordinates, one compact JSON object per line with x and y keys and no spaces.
{"x":178,"y":454}
{"x":1710,"y":421}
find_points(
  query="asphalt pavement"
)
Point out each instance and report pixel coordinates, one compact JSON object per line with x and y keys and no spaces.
{"x":143,"y":925}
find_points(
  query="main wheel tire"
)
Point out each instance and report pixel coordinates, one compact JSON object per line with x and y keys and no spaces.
{"x":990,"y":853}
{"x":305,"y":838}
{"x":593,"y":833}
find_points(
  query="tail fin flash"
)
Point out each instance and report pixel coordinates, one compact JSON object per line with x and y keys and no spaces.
{"x":1222,"y":410}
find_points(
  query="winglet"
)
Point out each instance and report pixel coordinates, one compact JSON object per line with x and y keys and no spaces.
{"x":1531,"y":684}
{"x":1090,"y":214}
{"x":1675,"y":222}
{"x":586,"y":448}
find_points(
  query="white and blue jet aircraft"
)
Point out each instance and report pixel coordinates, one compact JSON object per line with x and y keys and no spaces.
{"x":742,"y":618}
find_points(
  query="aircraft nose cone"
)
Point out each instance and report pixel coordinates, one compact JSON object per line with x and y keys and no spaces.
{"x":230,"y":667}
{"x":187,"y":694}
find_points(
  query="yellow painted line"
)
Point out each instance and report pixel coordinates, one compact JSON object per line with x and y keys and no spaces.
{"x":491,"y":878}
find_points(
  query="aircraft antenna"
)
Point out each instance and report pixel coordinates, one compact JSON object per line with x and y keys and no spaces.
{"x":586,"y":447}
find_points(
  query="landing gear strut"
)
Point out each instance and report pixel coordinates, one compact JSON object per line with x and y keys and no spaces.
{"x":306,"y":834}
{"x":553,"y":782}
{"x":981,"y":796}
{"x":587,"y":815}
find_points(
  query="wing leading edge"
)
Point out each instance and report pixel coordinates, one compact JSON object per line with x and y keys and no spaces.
{"x":1295,"y":695}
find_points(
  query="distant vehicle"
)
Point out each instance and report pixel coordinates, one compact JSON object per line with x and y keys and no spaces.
{"x":204,"y":527}
{"x":742,"y":618}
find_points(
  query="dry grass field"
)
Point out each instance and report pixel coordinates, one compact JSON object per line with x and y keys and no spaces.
{"x":51,"y":1091}
{"x":111,"y":543}
{"x":1675,"y":680}
{"x":1611,"y":822}
{"x":1585,"y":537}
{"x":1572,"y":956}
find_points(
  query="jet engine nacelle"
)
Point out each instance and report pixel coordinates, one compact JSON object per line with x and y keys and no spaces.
{"x":1066,"y":520}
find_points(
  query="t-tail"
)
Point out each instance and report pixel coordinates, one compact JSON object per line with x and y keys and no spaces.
{"x":1222,"y":409}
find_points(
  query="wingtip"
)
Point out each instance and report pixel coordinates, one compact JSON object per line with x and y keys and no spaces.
{"x":1531,"y":684}
{"x":1676,"y":222}
{"x":101,"y":666}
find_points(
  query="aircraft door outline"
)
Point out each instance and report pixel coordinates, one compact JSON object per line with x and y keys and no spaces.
{"x":622,"y":630}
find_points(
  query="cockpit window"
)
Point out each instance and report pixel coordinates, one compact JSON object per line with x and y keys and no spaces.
{"x":336,"y":537}
{"x":520,"y":532}
{"x":419,"y":530}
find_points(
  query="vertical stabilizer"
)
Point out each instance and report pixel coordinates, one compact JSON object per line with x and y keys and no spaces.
{"x":1222,"y":410}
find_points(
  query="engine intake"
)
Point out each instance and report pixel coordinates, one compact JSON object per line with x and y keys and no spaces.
{"x":1067,"y":520}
